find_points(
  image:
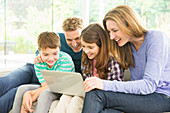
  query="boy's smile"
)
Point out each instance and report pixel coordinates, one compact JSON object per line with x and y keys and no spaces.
{"x":50,"y":56}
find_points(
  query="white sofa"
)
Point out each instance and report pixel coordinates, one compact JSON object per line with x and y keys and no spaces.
{"x":126,"y":78}
{"x":53,"y":104}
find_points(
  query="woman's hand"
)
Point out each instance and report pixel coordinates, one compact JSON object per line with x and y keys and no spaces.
{"x":38,"y":59}
{"x":27,"y":102}
{"x":92,"y":83}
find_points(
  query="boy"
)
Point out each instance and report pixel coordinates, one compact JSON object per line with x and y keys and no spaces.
{"x":53,"y":59}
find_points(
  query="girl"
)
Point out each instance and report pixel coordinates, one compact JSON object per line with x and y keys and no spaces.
{"x":97,"y":62}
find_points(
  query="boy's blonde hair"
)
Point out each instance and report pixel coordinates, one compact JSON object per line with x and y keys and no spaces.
{"x":72,"y":24}
{"x":48,"y":40}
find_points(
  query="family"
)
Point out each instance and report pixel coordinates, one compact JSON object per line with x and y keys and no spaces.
{"x":100,"y":54}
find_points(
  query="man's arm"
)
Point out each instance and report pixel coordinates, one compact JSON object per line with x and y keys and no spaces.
{"x":37,"y":59}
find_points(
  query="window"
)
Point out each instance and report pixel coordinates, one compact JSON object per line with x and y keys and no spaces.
{"x":21,"y":21}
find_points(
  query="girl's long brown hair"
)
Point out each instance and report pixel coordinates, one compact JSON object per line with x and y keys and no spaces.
{"x":94,"y":33}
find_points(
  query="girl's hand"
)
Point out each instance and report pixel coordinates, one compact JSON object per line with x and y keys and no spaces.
{"x":27,"y":102}
{"x":92,"y":83}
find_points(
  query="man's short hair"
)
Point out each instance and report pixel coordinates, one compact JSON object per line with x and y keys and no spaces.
{"x":72,"y":24}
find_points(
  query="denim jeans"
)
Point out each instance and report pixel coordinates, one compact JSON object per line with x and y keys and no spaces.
{"x":98,"y":101}
{"x":10,"y":82}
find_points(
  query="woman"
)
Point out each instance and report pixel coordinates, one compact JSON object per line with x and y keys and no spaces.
{"x":147,"y":54}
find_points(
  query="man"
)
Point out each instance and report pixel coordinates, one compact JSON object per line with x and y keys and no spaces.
{"x":72,"y":29}
{"x":70,"y":44}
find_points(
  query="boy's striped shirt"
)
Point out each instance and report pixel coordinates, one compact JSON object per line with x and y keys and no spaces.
{"x":64,"y":64}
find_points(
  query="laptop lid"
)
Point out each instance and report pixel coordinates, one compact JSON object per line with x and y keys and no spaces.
{"x":70,"y":83}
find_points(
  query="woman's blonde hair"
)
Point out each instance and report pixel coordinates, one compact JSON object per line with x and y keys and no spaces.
{"x":94,"y":33}
{"x":130,"y":23}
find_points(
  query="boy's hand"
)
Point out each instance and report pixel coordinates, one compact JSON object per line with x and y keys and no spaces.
{"x":92,"y":83}
{"x":38,"y":59}
{"x":27,"y":102}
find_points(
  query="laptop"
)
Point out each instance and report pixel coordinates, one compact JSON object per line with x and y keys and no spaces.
{"x":70,"y":83}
